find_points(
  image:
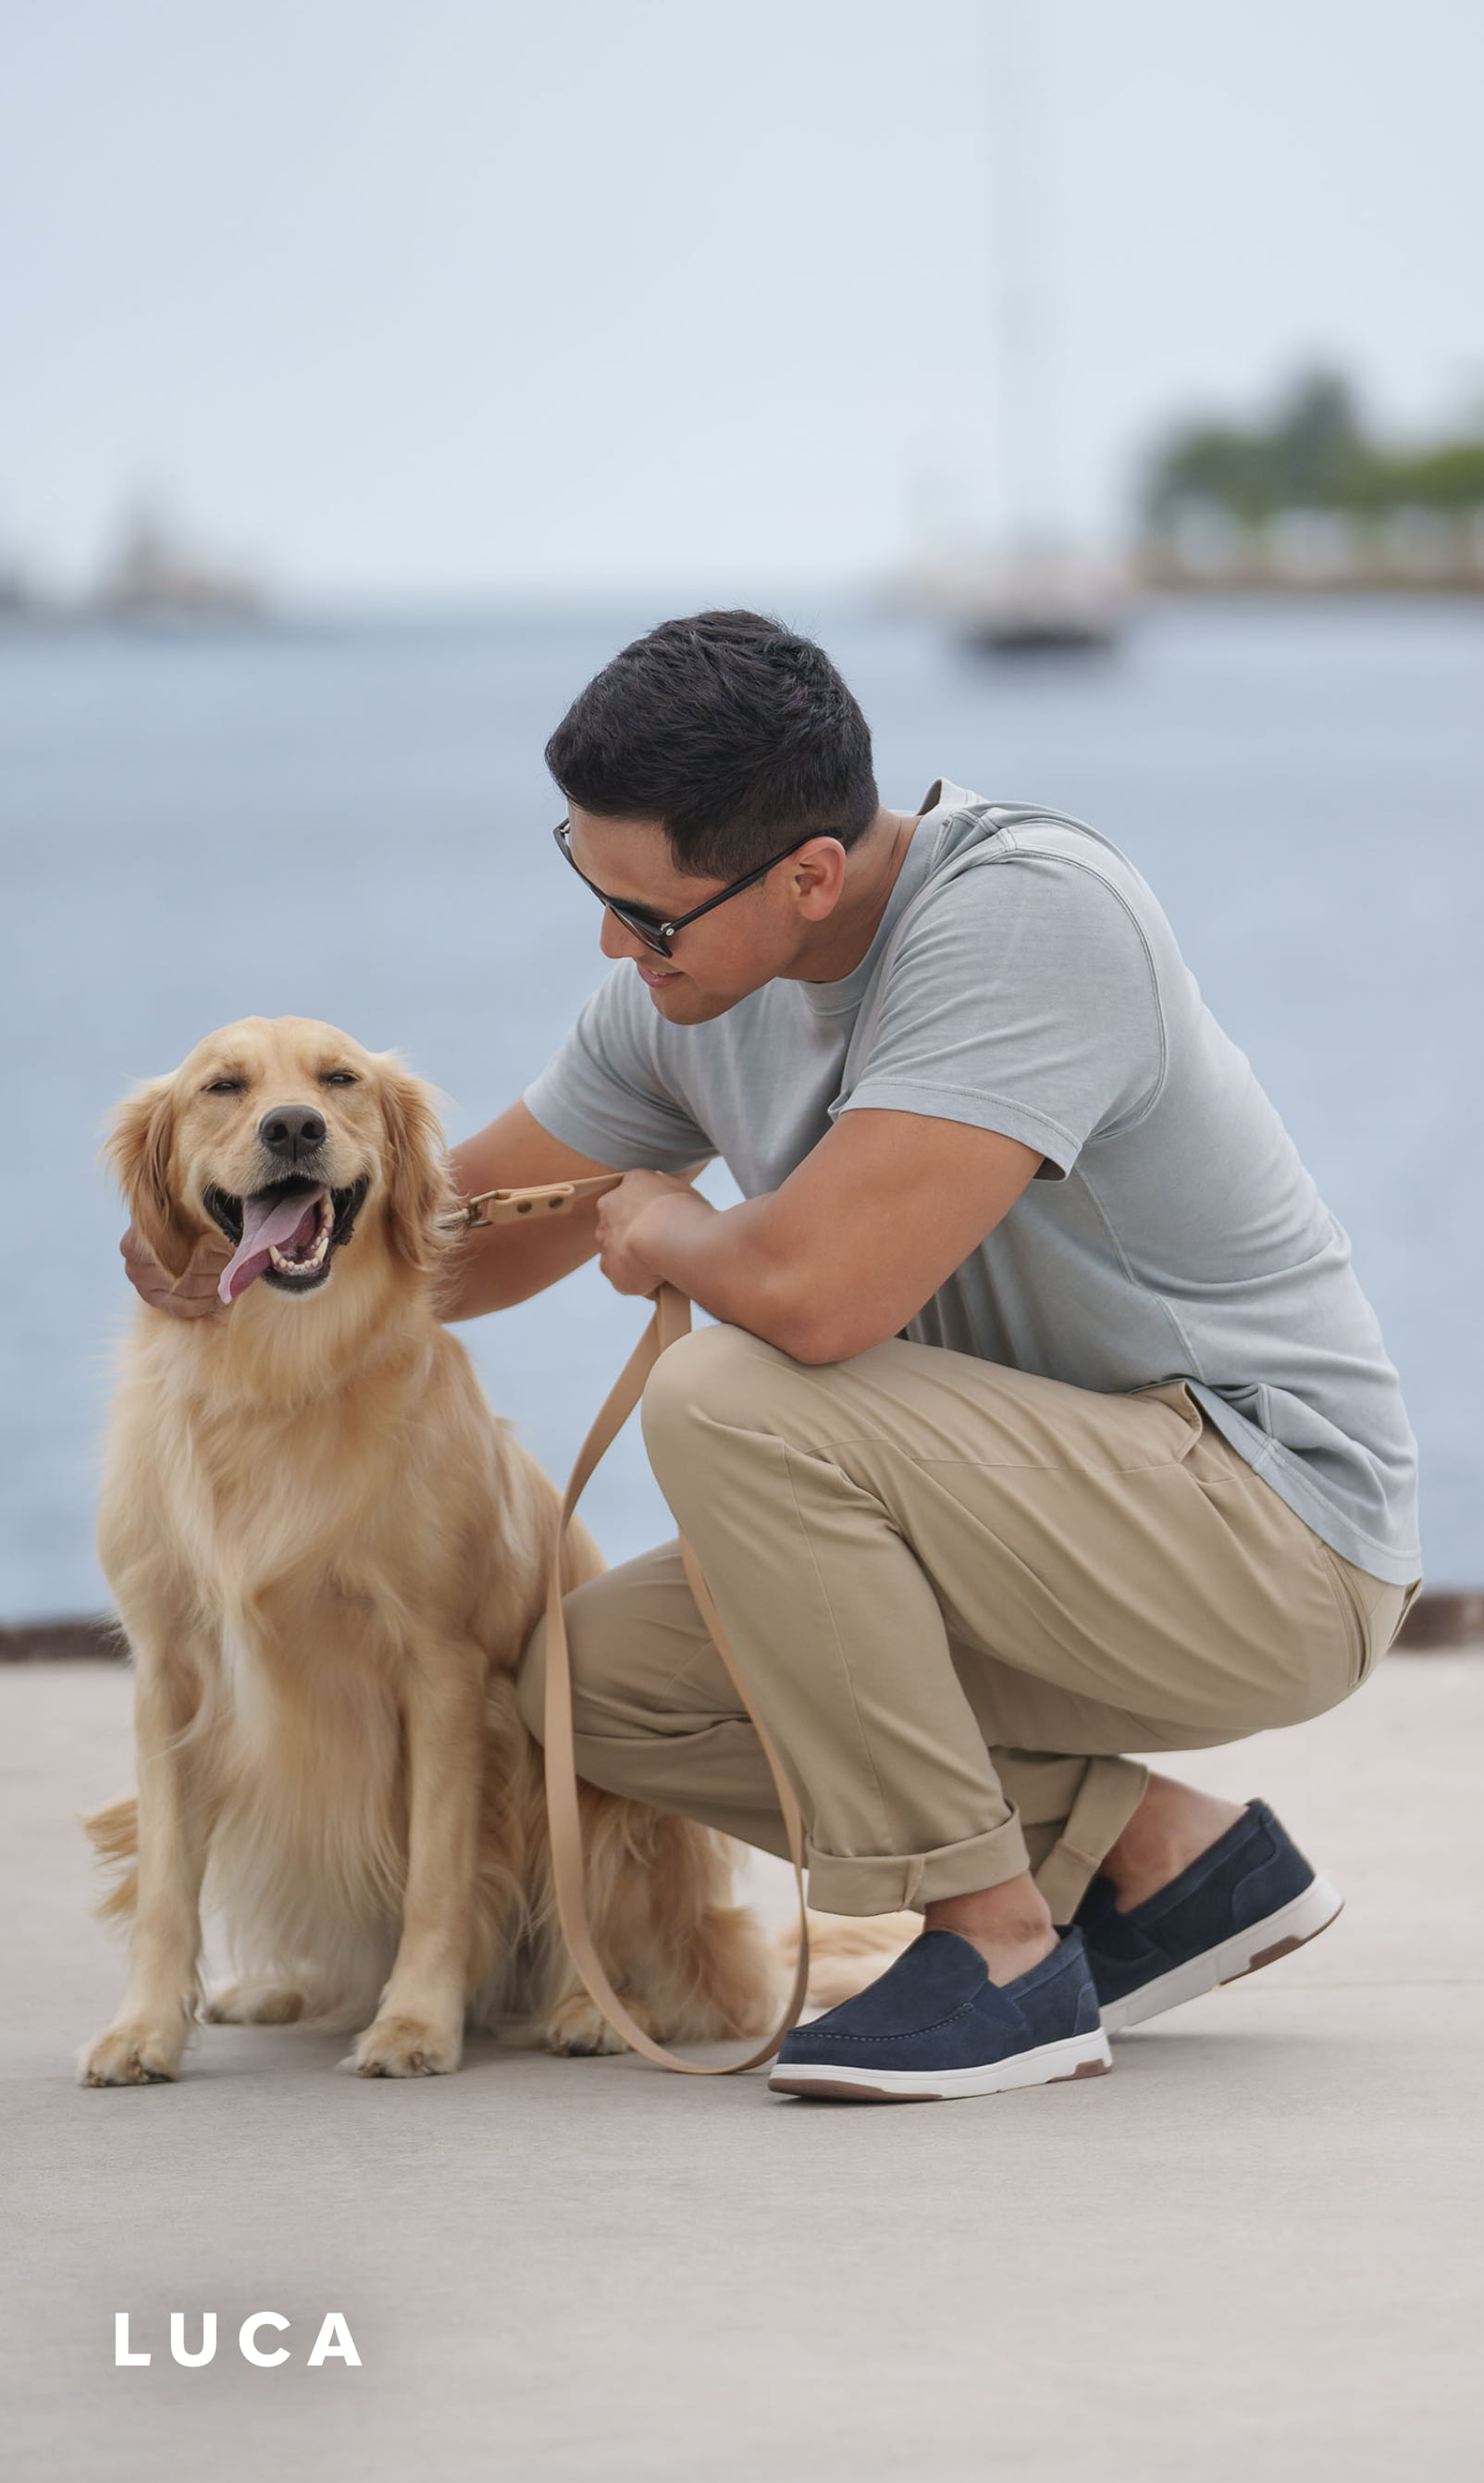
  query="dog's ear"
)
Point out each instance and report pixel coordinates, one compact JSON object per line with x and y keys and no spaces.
{"x":421,"y":1201}
{"x":140,"y":1136}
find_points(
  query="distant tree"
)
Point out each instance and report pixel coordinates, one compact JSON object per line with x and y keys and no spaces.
{"x":1448,"y":477}
{"x":1314,"y":454}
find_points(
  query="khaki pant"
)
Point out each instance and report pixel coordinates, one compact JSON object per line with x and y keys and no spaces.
{"x":957,"y":1593}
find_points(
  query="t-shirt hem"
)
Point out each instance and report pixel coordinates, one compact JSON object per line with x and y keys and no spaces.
{"x":1296,"y":1490}
{"x":1008,"y":1120}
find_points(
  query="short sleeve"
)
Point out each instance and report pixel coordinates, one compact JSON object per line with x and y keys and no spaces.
{"x":1022,"y":998}
{"x":604,"y":1090}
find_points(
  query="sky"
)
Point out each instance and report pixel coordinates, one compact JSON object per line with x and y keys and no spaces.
{"x":437,"y":299}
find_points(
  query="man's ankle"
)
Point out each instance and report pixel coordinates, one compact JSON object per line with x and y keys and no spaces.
{"x":1010,"y":1926}
{"x":1172,"y":1827}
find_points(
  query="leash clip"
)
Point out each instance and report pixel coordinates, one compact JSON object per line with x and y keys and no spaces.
{"x":552,"y":1198}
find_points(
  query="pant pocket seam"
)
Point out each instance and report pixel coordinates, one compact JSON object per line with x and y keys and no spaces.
{"x":1362,"y":1658}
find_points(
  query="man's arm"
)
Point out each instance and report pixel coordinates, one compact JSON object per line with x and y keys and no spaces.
{"x":502,"y":1264}
{"x":845,"y":1252}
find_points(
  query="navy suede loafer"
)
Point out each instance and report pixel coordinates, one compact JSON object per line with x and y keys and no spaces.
{"x":934,"y":2025}
{"x":1249,"y":1898}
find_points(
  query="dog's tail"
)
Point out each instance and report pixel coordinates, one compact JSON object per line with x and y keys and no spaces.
{"x":115,"y":1835}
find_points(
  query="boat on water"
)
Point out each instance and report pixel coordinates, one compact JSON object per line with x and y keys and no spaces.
{"x":1027,"y":602}
{"x":1028,"y":586}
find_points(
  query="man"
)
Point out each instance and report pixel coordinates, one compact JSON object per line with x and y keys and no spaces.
{"x":1045,"y":1419}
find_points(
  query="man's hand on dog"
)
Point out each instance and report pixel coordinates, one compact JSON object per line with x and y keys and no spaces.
{"x":620,"y":1221}
{"x":193,"y":1295}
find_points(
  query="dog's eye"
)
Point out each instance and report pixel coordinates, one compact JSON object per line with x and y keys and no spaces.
{"x":340,"y":1078}
{"x":223,"y":1086}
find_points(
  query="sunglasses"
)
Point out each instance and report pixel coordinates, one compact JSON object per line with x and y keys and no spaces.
{"x":653,"y":929}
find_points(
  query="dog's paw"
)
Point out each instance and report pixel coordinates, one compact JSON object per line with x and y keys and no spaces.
{"x":252,"y":2004}
{"x":133,"y":2054}
{"x":578,"y":2028}
{"x":405,"y":2047}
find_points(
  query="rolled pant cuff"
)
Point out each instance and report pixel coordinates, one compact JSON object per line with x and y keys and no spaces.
{"x":1109,"y":1794}
{"x":885,"y":1884}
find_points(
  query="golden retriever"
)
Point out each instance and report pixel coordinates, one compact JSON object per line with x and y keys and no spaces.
{"x":327,"y":1555}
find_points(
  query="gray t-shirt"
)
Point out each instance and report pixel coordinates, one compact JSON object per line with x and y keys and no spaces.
{"x":1025,"y":979}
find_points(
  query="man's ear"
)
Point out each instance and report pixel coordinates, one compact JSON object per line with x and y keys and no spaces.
{"x":420,"y":1196}
{"x":140,"y":1137}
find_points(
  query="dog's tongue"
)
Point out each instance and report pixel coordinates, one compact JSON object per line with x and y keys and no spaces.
{"x":268,"y":1224}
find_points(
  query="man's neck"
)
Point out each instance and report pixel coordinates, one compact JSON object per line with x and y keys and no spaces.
{"x":835,"y":948}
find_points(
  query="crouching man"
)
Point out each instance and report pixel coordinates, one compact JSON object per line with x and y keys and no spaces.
{"x":1045,"y":1419}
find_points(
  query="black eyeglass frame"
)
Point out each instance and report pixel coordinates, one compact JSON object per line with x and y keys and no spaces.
{"x":653,"y":929}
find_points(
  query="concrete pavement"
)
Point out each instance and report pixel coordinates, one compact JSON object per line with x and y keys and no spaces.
{"x":1254,"y":2250}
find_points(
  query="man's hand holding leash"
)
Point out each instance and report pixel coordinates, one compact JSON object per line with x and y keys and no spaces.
{"x":637,"y":1219}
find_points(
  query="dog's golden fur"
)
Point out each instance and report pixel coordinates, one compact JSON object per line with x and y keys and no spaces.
{"x":328,"y":1555}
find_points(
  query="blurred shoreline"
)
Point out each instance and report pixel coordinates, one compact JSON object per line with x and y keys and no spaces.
{"x":1154,"y":582}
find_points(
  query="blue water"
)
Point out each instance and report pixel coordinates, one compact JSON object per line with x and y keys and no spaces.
{"x":353,"y":823}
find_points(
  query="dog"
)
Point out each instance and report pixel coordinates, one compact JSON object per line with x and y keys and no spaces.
{"x":328,"y":1554}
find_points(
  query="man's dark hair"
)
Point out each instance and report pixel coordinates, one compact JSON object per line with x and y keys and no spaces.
{"x":736,"y":734}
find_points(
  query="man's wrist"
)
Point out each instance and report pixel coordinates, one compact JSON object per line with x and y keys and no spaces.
{"x":721,"y":1257}
{"x":665,"y":1229}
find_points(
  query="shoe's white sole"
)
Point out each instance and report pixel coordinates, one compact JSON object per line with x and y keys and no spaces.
{"x":1077,"y":2056}
{"x":1302,"y":1920}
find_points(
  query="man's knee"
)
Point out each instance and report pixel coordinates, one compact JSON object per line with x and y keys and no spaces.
{"x":714,"y":1373}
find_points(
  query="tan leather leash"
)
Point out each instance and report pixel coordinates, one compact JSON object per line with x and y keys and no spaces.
{"x":671,"y":1320}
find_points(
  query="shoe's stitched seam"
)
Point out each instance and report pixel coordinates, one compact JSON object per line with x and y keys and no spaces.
{"x":932,"y":2030}
{"x":915,"y":2033}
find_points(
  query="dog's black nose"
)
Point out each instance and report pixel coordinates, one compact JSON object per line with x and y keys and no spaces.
{"x":292,"y":1130}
